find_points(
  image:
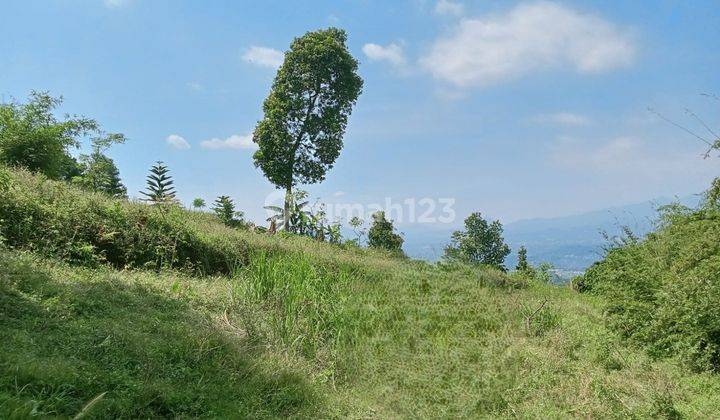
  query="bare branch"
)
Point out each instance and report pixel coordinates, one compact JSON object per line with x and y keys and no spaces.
{"x":698,"y":119}
{"x":528,"y":319}
{"x":685,"y":129}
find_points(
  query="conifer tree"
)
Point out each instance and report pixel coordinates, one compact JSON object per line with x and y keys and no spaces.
{"x":224,"y":209}
{"x":159,"y":185}
{"x":99,"y":173}
{"x":522,"y":264}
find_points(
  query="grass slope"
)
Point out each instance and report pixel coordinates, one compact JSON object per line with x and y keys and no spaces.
{"x":297,"y":329}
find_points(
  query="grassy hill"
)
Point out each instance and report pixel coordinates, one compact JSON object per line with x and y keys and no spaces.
{"x":110,"y":308}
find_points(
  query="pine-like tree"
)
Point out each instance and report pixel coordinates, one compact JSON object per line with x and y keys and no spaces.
{"x":522,"y":264}
{"x":224,"y":209}
{"x":159,"y":185}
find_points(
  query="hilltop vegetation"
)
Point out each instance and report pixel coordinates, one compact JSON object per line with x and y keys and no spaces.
{"x":290,"y":326}
{"x":663,"y":291}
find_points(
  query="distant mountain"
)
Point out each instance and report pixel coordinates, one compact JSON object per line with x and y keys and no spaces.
{"x":570,"y":243}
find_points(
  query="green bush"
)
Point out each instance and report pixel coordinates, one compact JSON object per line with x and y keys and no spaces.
{"x":663,"y":292}
{"x":57,"y":219}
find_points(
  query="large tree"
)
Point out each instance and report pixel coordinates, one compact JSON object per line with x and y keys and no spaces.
{"x":305,"y":115}
{"x":480,"y":243}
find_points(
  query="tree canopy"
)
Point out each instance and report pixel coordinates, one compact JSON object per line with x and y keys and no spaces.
{"x":382,"y":234}
{"x":480,"y":243}
{"x":306,"y":113}
{"x":32,"y":137}
{"x":198,"y":203}
{"x":99,"y":173}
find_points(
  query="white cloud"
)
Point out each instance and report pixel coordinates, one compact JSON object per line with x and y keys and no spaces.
{"x":393,"y":53}
{"x":562,"y":118}
{"x":177,"y":142}
{"x":235,"y":141}
{"x":530,"y":37}
{"x":339,"y":193}
{"x":447,"y":7}
{"x":264,"y":57}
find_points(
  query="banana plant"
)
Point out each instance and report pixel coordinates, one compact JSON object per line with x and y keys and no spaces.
{"x":333,"y":233}
{"x":299,"y":216}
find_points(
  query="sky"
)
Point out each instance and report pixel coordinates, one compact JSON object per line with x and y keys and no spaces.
{"x":514,"y":109}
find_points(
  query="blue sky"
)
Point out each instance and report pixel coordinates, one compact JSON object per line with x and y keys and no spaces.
{"x":516,"y":109}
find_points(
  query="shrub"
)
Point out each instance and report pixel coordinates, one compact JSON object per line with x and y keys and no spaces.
{"x":663,"y":292}
{"x":54,"y":218}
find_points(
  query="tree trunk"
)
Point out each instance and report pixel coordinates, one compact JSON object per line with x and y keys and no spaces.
{"x":286,"y":213}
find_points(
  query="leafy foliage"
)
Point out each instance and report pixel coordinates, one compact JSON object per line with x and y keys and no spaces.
{"x":58,"y":219}
{"x":305,"y":115}
{"x":305,"y":220}
{"x":160,"y":188}
{"x":357,"y":225}
{"x":662,"y":292}
{"x":382,"y":234}
{"x":198,"y":203}
{"x":295,"y":212}
{"x":480,"y":243}
{"x":33,"y":138}
{"x":333,"y":233}
{"x":99,"y":173}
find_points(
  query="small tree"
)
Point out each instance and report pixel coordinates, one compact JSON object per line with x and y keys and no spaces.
{"x":224,"y":209}
{"x":32,"y":137}
{"x":296,"y":211}
{"x":300,"y":135}
{"x":382,"y":234}
{"x":334,"y":235}
{"x":160,"y":188}
{"x":480,"y":243}
{"x":522,"y":264}
{"x":99,"y":173}
{"x":198,"y":204}
{"x":356,"y":224}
